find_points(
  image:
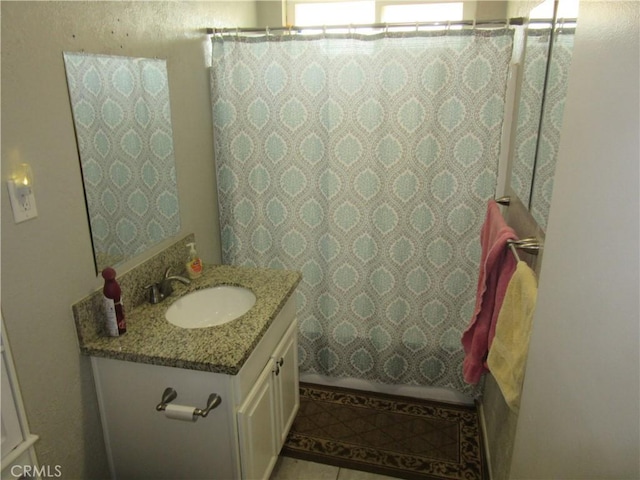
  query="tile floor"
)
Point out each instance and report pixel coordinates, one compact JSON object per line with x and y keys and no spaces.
{"x":294,"y":469}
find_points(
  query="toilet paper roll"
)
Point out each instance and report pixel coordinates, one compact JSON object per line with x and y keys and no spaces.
{"x":180,"y":412}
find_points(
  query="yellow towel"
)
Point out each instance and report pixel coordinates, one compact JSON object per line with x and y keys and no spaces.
{"x":508,"y":351}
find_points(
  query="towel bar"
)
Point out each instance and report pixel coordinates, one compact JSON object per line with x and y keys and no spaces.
{"x":529,"y":245}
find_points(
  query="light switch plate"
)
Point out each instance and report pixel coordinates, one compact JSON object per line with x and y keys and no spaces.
{"x":24,"y":207}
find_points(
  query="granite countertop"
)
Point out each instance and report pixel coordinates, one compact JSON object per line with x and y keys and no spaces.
{"x":150,"y":338}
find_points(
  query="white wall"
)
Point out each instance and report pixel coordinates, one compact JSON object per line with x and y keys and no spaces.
{"x":580,"y":410}
{"x":47,"y":262}
{"x":269,"y":13}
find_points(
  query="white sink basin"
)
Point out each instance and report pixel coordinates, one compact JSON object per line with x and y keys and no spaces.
{"x":211,"y":306}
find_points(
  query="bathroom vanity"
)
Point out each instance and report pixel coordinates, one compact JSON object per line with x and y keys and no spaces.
{"x":250,"y":363}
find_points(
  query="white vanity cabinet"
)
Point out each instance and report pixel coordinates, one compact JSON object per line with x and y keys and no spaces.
{"x":239,"y":439}
{"x":266,"y":415}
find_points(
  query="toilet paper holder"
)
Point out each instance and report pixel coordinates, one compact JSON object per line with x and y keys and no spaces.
{"x":170,"y":394}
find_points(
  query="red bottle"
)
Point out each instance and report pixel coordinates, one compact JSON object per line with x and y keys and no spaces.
{"x":114,"y":310}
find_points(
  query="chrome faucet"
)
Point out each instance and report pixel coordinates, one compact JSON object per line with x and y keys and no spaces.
{"x":162,"y":289}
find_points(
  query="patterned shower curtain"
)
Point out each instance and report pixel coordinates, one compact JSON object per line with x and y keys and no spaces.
{"x":365,"y":162}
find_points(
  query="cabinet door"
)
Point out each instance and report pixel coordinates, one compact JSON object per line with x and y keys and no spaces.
{"x":286,"y":382}
{"x":142,"y":443}
{"x":256,"y":425}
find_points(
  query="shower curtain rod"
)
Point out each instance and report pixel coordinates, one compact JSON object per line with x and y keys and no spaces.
{"x":380,"y":26}
{"x":384,"y":26}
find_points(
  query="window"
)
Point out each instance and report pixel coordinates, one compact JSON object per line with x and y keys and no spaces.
{"x":422,"y":12}
{"x":317,"y":13}
{"x":566,"y":9}
{"x":334,"y":13}
{"x":544,"y":11}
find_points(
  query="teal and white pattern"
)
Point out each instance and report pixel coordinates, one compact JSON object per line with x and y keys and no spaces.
{"x":529,"y":112}
{"x":537,"y":140}
{"x":555,"y":95}
{"x":366,"y":164}
{"x":123,"y":127}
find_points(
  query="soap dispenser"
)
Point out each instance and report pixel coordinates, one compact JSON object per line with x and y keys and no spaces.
{"x":194,"y":264}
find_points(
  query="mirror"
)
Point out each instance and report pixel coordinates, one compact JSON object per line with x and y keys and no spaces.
{"x":545,"y":67}
{"x":530,"y":103}
{"x":122,"y":121}
{"x":551,"y":122}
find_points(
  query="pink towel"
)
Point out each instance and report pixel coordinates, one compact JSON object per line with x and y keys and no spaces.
{"x":497,"y":265}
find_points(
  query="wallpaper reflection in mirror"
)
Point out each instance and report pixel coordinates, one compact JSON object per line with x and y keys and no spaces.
{"x":549,"y":143}
{"x":123,"y":128}
{"x":529,"y":111}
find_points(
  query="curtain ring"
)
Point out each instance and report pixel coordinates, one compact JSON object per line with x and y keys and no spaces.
{"x":266,"y":29}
